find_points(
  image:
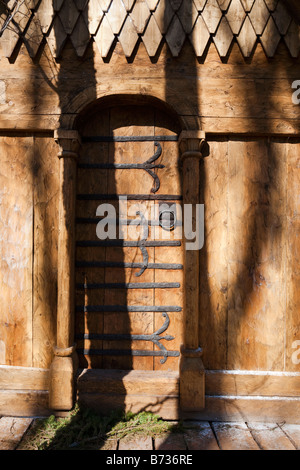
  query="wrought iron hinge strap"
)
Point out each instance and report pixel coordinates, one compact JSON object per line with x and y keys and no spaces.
{"x":132,"y":138}
{"x":127,"y":352}
{"x":128,"y":244}
{"x":94,"y":220}
{"x":147,"y":166}
{"x":126,"y":308}
{"x":137,"y":285}
{"x":129,"y":197}
{"x":155,"y":337}
{"x":107,"y":264}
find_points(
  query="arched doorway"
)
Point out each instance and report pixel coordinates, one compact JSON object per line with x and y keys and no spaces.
{"x":129,"y":286}
{"x":137,"y":296}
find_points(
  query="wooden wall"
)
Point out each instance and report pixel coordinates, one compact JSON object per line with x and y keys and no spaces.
{"x":28,"y":215}
{"x":249,"y":315}
{"x":233,"y":95}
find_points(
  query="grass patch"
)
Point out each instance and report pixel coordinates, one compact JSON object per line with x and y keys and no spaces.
{"x":84,"y":429}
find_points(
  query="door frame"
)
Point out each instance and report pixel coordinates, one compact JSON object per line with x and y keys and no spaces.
{"x":64,"y":365}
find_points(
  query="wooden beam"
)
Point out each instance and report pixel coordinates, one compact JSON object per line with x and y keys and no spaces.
{"x":131,"y":382}
{"x":64,"y":365}
{"x":24,"y":403}
{"x":191,"y":366}
{"x":164,"y":406}
{"x":23,"y":378}
{"x":248,"y":408}
{"x":252,"y":383}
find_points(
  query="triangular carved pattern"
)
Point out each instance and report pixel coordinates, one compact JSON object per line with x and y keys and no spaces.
{"x":149,"y":21}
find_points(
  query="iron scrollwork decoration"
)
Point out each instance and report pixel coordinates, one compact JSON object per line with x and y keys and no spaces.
{"x":147,"y":166}
{"x":142,"y":242}
{"x":158,"y":336}
{"x":167,"y":216}
{"x":167,"y":223}
{"x":155,"y":338}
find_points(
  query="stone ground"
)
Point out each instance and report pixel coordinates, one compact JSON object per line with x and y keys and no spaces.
{"x":203,"y":436}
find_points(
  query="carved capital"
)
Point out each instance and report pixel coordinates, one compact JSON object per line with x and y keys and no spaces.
{"x":68,"y":141}
{"x":191,"y":144}
{"x":64,"y":352}
{"x":191,"y":352}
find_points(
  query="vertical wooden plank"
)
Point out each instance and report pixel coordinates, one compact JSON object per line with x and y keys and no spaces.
{"x":45,"y":187}
{"x":126,"y":121}
{"x":16,"y":229}
{"x":68,"y":148}
{"x":64,"y":365}
{"x":135,"y":323}
{"x":192,"y":377}
{"x":172,"y":296}
{"x":170,"y":183}
{"x":129,"y":121}
{"x":91,"y":182}
{"x":214,"y":256}
{"x":256,"y":316}
{"x":293,"y":258}
{"x":170,"y":176}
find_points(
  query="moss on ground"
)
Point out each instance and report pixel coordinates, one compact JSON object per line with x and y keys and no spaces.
{"x":84,"y":429}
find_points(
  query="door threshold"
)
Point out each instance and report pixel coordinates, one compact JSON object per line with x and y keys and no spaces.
{"x":130,"y":390}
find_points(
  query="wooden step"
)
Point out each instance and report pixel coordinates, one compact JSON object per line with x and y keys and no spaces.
{"x":135,"y":390}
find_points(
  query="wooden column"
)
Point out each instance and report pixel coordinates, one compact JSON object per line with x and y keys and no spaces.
{"x":64,"y":364}
{"x":192,"y":377}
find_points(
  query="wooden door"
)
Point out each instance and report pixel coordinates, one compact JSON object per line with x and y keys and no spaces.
{"x":129,"y":291}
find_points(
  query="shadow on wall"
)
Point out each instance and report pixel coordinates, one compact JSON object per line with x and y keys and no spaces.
{"x":250,"y":285}
{"x":111,"y":117}
{"x":258,"y":256}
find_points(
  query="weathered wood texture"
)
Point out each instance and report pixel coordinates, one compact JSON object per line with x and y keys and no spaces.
{"x":234,"y":436}
{"x":136,"y":443}
{"x":199,"y":436}
{"x":238,"y":95}
{"x":28,"y":250}
{"x":126,"y":121}
{"x":45,"y":195}
{"x":249,"y":318}
{"x":24,"y":403}
{"x":16,"y":221}
{"x":252,"y":383}
{"x":249,"y":266}
{"x":23,"y":391}
{"x":270,"y":436}
{"x":256,"y":409}
{"x":195,"y":435}
{"x":254,"y":251}
{"x":136,"y":390}
{"x":171,"y":442}
{"x":11,"y":431}
{"x":230,"y":396}
{"x":128,"y":382}
{"x":23,"y":378}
